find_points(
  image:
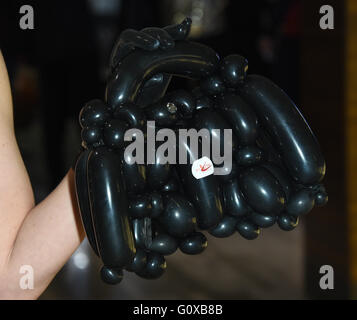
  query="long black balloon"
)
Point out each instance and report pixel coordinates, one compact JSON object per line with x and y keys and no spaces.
{"x":131,"y":114}
{"x":187,"y":59}
{"x":287,"y":127}
{"x":81,"y":184}
{"x":158,"y":173}
{"x":179,"y":31}
{"x":204,"y":193}
{"x":241,"y":117}
{"x":109,"y":207}
{"x":153,"y":90}
{"x":212,"y":120}
{"x":262,"y":221}
{"x":135,"y":175}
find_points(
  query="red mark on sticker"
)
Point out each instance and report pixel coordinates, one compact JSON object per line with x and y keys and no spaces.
{"x":205,"y":167}
{"x":202,"y":167}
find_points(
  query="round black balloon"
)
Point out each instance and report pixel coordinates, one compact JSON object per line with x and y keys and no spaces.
{"x":164,"y":113}
{"x":234,"y":70}
{"x":195,"y":243}
{"x":225,"y":228}
{"x":111,"y":275}
{"x":91,"y":135}
{"x":179,"y":216}
{"x":139,"y":261}
{"x":131,"y":114}
{"x":140,"y":206}
{"x":249,"y":155}
{"x":164,"y":244}
{"x":262,"y":221}
{"x":114,"y":132}
{"x":184,"y":101}
{"x":233,"y":201}
{"x":213,"y":85}
{"x":94,"y":113}
{"x":321,"y":198}
{"x":287,"y":222}
{"x":262,"y":191}
{"x":171,"y":185}
{"x":157,"y":205}
{"x":155,"y":266}
{"x":248,"y":230}
{"x":300,"y":203}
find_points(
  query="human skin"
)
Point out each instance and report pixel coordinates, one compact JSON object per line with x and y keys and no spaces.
{"x":45,"y":236}
{"x":42,"y":236}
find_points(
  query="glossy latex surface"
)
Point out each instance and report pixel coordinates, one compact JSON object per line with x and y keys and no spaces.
{"x":109,"y":208}
{"x":203,"y":193}
{"x":262,"y":191}
{"x":195,"y":243}
{"x":81,"y":184}
{"x":185,"y":59}
{"x":292,"y":135}
{"x":225,"y":228}
{"x":234,"y":203}
{"x":179,"y":216}
{"x":242,"y":119}
{"x":136,"y":213}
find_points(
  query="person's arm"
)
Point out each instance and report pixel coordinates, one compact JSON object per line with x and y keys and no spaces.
{"x":42,"y":236}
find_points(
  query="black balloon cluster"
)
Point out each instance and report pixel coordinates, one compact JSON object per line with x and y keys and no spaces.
{"x":135,"y":214}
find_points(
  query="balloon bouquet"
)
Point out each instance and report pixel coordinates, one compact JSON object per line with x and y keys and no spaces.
{"x":135,"y":214}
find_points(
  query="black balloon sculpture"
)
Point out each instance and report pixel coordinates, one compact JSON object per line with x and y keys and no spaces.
{"x":135,"y":214}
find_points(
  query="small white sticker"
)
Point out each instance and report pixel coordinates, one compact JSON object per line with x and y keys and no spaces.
{"x":202,"y":167}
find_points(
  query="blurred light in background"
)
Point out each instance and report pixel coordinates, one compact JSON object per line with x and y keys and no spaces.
{"x":80,"y":260}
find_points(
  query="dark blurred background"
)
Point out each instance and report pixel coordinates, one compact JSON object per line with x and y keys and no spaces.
{"x":62,"y":63}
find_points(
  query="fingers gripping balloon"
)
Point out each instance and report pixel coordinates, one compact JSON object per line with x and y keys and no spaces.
{"x":134,"y":213}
